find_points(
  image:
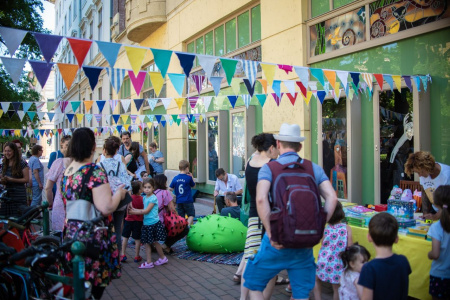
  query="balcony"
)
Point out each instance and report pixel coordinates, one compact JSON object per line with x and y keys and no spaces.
{"x":143,"y":17}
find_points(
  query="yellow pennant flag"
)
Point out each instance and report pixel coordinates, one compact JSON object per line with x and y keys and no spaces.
{"x":136,"y":57}
{"x":149,"y":124}
{"x":264,"y":84}
{"x":126,"y":127}
{"x":55,"y":131}
{"x":1,"y":113}
{"x":236,"y":85}
{"x":17,"y":132}
{"x":337,"y":91}
{"x":331,"y":76}
{"x":308,"y":97}
{"x":95,"y":130}
{"x":179,"y":102}
{"x":157,"y":81}
{"x":201,"y":118}
{"x":68,"y":73}
{"x":269,"y":72}
{"x":79,"y":117}
{"x":88,"y":104}
{"x":124,"y":118}
{"x":397,"y":81}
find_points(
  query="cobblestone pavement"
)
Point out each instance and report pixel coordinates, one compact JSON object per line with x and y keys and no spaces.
{"x":181,"y":279}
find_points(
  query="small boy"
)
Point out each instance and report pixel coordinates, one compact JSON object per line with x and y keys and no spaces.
{"x":386,"y":276}
{"x":182,"y":184}
{"x":144,"y":175}
{"x":232,"y":209}
{"x":133,"y":223}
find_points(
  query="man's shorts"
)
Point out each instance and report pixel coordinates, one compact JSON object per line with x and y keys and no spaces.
{"x":268,"y":262}
{"x":132,"y":228}
{"x":186,"y":209}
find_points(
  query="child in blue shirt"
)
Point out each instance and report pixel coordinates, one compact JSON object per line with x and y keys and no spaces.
{"x":182,"y":184}
{"x":440,"y":246}
{"x":153,"y":231}
{"x":386,"y":277}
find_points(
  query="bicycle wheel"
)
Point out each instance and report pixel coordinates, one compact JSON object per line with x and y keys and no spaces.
{"x":52,"y":241}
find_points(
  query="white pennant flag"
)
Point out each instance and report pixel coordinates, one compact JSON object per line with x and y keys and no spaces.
{"x":152,"y":103}
{"x":66,"y":131}
{"x":343,"y":77}
{"x":246,"y":99}
{"x":207,"y":62}
{"x":41,"y":115}
{"x":290,"y":84}
{"x":303,"y":75}
{"x":21,"y":114}
{"x":125,"y":104}
{"x":207,"y":102}
{"x":251,"y":69}
{"x":166,"y":102}
{"x":5,"y":106}
{"x":142,"y":118}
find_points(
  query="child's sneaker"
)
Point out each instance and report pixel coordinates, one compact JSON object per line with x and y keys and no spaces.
{"x":123,"y":258}
{"x":161,"y":261}
{"x":137,"y":259}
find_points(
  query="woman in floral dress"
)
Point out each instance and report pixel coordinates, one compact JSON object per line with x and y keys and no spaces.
{"x":99,"y":271}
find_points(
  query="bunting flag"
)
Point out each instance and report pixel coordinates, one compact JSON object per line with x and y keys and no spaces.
{"x":75,"y":105}
{"x":303,"y":75}
{"x":162,"y":60}
{"x":232,"y":100}
{"x":26,"y":106}
{"x":80,"y":48}
{"x":277,"y":98}
{"x":207,"y":62}
{"x":21,"y":114}
{"x":251,"y":69}
{"x":124,"y":118}
{"x":14,"y":67}
{"x":269,"y":72}
{"x":113,"y":104}
{"x":290,"y":85}
{"x":318,"y":73}
{"x":216,"y":82}
{"x":389,"y":80}
{"x":16,"y":106}
{"x":368,"y":79}
{"x":11,"y":113}
{"x":137,"y":81}
{"x":408,"y":82}
{"x":308,"y":97}
{"x":135,"y":57}
{"x":198,"y":80}
{"x":50,"y":116}
{"x":292,"y":98}
{"x":261,"y":98}
{"x":125,"y":104}
{"x":12,"y":38}
{"x":5,"y":105}
{"x":50,"y":105}
{"x":88,"y":118}
{"x":68,"y":73}
{"x":302,"y":88}
{"x":355,"y":78}
{"x":152,"y":103}
{"x":229,"y":67}
{"x":138,"y":103}
{"x":110,"y":51}
{"x":398,"y":81}
{"x":321,"y":95}
{"x":63,"y":105}
{"x":92,"y":73}
{"x":247,"y":99}
{"x":286,"y":68}
{"x":331,"y":76}
{"x":379,"y":79}
{"x":417,"y":82}
{"x":157,"y":81}
{"x":98,"y":118}
{"x":177,"y":81}
{"x":193,"y":101}
{"x":207,"y":102}
{"x":264,"y":84}
{"x":116,"y":118}
{"x":424,"y":82}
{"x":250,"y":87}
{"x":343,"y":77}
{"x":337,"y":92}
{"x":166,"y":102}
{"x":276,"y":87}
{"x":179,"y":102}
{"x":88,"y":104}
{"x":236,"y":86}
{"x":48,"y":44}
{"x":186,"y":62}
{"x":79,"y":117}
{"x":116,"y":77}
{"x":101,"y":105}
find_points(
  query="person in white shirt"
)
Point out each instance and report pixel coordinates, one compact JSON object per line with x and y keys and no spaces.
{"x":226,"y":183}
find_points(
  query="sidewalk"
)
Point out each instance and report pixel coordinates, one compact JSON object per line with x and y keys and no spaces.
{"x":181,"y":279}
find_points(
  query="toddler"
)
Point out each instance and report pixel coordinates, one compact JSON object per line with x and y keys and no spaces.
{"x":133,"y":223}
{"x":353,"y":259}
{"x":440,"y":246}
{"x":336,"y":238}
{"x":153,"y":231}
{"x":182,"y":184}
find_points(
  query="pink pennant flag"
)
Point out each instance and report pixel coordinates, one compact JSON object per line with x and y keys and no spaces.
{"x":276,"y":98}
{"x":198,"y":80}
{"x":286,"y":68}
{"x":63,"y":105}
{"x":137,"y":81}
{"x":193,"y":101}
{"x":113,"y":104}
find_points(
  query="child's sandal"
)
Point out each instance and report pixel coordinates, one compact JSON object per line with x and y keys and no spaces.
{"x":146,"y":265}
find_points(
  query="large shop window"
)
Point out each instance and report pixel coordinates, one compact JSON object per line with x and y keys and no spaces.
{"x":213,"y":147}
{"x":216,"y":142}
{"x":238,"y":143}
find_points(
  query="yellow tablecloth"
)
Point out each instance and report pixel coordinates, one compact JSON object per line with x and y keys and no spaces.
{"x":416,"y":250}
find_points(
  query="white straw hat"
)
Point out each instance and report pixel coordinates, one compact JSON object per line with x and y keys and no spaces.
{"x":289,"y":133}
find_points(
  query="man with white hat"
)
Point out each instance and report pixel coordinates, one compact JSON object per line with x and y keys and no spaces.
{"x":272,"y":256}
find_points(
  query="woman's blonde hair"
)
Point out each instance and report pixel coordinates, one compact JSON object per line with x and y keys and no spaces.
{"x":420,"y":160}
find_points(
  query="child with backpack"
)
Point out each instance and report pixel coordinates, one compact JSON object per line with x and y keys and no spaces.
{"x":133,"y":223}
{"x":153,"y":232}
{"x":337,"y":237}
{"x":353,"y":258}
{"x":182,"y":184}
{"x":440,"y":246}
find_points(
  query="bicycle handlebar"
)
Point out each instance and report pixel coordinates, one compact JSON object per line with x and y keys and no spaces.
{"x":33,"y":211}
{"x":23,"y":254}
{"x":16,"y":225}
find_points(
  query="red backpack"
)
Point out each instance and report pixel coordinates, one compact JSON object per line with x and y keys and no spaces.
{"x":297,"y":218}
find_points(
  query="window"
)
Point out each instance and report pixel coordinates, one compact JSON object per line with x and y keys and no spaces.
{"x":209,"y":43}
{"x":100,"y":93}
{"x":256,"y":23}
{"x":219,"y":41}
{"x":238,"y":144}
{"x":70,"y":16}
{"x":91,"y":36}
{"x":125,"y":88}
{"x":213,"y":147}
{"x":99,"y":36}
{"x":75,"y":9}
{"x":244,"y":29}
{"x":230,"y":34}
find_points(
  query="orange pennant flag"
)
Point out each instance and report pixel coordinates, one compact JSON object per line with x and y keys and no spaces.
{"x":88,"y":104}
{"x":331,"y":76}
{"x":179,"y":102}
{"x":68,"y":73}
{"x":264,"y":84}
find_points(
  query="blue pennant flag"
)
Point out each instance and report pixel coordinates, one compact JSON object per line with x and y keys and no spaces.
{"x":110,"y":51}
{"x":92,"y":74}
{"x":216,"y":82}
{"x":70,"y":117}
{"x":321,"y":95}
{"x":138,"y":103}
{"x":232,"y":100}
{"x":186,"y":62}
{"x":178,"y":82}
{"x":100,"y":105}
{"x":116,"y":118}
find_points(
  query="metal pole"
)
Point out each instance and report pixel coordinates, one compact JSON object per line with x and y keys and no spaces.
{"x":45,"y":219}
{"x":78,"y":249}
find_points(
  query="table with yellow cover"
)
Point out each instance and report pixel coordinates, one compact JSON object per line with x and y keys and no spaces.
{"x":415,"y":249}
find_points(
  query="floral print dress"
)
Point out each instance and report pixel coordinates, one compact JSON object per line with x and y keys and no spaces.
{"x":107,"y":267}
{"x":329,"y":264}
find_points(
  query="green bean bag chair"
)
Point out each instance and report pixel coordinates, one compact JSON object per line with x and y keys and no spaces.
{"x":216,"y":234}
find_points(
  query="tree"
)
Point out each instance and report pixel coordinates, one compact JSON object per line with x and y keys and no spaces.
{"x":20,"y":14}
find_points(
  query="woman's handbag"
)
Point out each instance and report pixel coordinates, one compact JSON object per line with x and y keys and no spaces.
{"x":174,"y":223}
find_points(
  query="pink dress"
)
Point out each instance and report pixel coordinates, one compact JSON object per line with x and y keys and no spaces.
{"x":55,"y":174}
{"x":164,"y":198}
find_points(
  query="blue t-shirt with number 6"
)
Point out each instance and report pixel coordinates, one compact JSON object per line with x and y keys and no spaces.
{"x":181,"y":184}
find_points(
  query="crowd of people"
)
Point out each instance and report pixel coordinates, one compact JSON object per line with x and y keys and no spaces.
{"x":128,"y":187}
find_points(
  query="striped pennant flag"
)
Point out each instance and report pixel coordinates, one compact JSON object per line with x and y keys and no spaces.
{"x":116,"y":77}
{"x":250,"y":69}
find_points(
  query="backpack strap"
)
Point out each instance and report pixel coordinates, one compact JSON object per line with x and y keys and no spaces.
{"x":85,"y":181}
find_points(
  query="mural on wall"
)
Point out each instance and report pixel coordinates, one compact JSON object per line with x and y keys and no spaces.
{"x":389,"y":17}
{"x":339,"y":32}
